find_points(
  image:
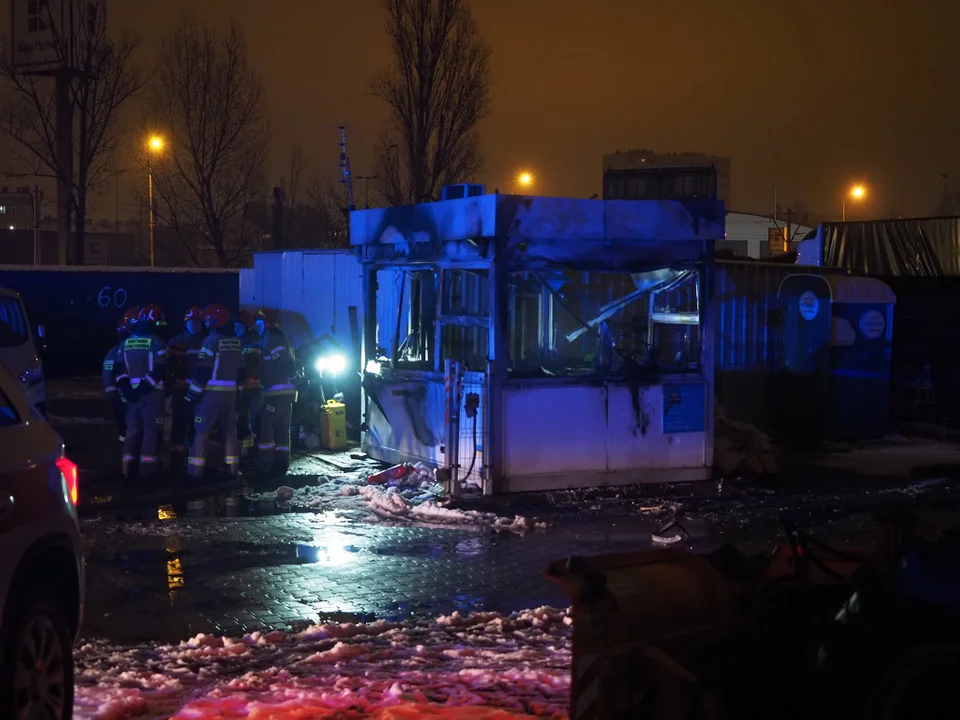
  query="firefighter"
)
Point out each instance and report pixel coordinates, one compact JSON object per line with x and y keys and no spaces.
{"x":108,"y":376}
{"x":140,"y":369}
{"x":184,"y":352}
{"x":213,"y":392}
{"x":278,"y":375}
{"x":251,"y":394}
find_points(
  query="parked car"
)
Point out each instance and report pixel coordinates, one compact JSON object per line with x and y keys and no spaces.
{"x":41,"y":562}
{"x":18,"y":348}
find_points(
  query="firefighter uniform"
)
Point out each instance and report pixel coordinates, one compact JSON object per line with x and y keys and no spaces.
{"x":109,"y":385}
{"x":278,"y":376}
{"x":251,"y":393}
{"x":140,"y":369}
{"x":213,"y":390}
{"x":184,"y":351}
{"x":108,"y":375}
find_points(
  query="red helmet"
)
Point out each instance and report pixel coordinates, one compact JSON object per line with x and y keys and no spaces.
{"x":128,"y":320}
{"x":193,"y":313}
{"x":269,"y":317}
{"x":216,"y":316}
{"x":151,"y":314}
{"x":245,"y":318}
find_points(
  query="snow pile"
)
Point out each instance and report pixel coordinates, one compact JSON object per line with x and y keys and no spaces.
{"x":483,"y":666}
{"x":390,"y":503}
{"x":331,"y":493}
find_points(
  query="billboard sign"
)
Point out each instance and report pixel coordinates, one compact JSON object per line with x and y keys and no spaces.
{"x":778,"y":242}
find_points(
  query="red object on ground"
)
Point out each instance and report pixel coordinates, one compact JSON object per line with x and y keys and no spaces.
{"x":397,"y":472}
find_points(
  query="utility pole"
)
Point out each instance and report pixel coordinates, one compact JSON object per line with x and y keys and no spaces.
{"x":37,"y":200}
{"x":345,"y":176}
{"x":279,"y":241}
{"x":64,"y":147}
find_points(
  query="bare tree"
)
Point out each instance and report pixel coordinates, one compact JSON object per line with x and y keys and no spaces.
{"x":314,"y":211}
{"x":103,"y":82}
{"x":293,"y":184}
{"x":327,"y":208}
{"x":210,"y":182}
{"x":437,"y":91}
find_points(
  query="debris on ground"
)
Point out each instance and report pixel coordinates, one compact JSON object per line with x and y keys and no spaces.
{"x":415,"y":506}
{"x":742,"y":450}
{"x":669,"y":534}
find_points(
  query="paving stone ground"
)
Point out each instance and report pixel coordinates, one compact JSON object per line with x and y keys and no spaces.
{"x":151,"y":579}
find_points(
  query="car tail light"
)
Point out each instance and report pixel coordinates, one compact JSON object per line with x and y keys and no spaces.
{"x":71,"y":476}
{"x":33,"y":374}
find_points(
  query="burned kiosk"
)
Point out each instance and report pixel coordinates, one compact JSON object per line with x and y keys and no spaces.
{"x":531,"y":343}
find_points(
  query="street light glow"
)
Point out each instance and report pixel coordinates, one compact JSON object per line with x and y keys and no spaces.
{"x":858,"y":192}
{"x":155,"y":143}
{"x":525,"y":179}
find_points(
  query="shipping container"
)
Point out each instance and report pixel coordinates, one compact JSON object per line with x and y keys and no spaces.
{"x":79,"y":307}
{"x":313,"y":290}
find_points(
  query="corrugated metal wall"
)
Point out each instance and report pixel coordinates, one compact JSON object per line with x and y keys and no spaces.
{"x":80,"y":307}
{"x":748,"y":324}
{"x":748,"y":337}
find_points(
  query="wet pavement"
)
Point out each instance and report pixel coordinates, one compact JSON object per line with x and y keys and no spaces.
{"x":220,"y":563}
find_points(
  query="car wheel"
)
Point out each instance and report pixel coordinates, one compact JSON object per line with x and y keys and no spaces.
{"x":36,"y":673}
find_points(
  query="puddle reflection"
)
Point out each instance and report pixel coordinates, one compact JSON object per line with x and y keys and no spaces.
{"x":329,"y":555}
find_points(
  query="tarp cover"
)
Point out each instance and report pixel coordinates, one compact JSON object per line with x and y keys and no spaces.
{"x":927,"y":247}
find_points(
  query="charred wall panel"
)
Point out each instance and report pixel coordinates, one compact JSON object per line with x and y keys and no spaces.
{"x":79,"y":308}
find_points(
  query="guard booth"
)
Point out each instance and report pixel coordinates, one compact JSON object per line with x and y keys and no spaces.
{"x":534,"y":343}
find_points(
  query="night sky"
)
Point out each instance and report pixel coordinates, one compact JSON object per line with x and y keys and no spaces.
{"x":811,"y":94}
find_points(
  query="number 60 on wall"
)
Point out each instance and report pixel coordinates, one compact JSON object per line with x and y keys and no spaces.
{"x":108,"y":296}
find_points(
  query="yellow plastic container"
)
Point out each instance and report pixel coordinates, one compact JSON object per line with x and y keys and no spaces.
{"x":333,"y":426}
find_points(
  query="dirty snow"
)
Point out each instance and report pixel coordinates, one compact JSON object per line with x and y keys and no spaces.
{"x":483,"y":666}
{"x":392,"y":504}
{"x":419,"y":506}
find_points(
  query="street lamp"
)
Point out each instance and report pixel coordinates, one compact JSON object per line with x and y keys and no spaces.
{"x":857,"y":193}
{"x":155,"y":145}
{"x":525,"y":179}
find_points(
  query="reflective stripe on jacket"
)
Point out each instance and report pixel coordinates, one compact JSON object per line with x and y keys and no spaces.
{"x":142,"y":358}
{"x":108,"y":379}
{"x":219,"y":364}
{"x":278,"y":365}
{"x":184,"y":354}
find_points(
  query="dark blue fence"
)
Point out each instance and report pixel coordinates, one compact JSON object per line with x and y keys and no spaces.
{"x":79,"y":308}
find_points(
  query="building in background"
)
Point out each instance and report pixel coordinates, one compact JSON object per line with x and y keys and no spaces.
{"x":16,"y":208}
{"x":749,"y":235}
{"x":645,"y":174}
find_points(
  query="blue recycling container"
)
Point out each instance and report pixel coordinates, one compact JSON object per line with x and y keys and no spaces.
{"x":836,"y":335}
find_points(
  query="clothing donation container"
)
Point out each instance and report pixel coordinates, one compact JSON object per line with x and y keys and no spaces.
{"x":836,"y":333}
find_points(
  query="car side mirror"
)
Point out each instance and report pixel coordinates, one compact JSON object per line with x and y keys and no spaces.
{"x":41,"y":337}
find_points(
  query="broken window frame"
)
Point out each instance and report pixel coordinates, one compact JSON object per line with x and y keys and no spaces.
{"x":650,"y":314}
